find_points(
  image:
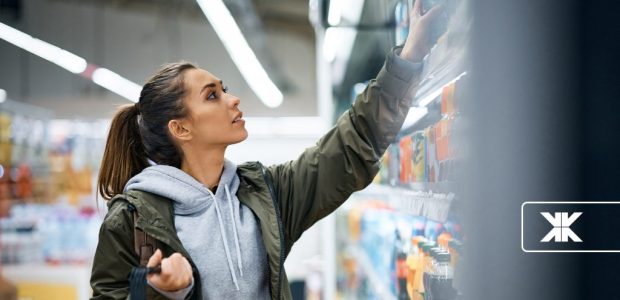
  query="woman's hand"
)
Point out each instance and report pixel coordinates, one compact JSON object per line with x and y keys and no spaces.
{"x":176,"y":272}
{"x":419,"y":39}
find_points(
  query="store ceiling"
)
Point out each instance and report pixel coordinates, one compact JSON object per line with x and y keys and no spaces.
{"x":134,"y":37}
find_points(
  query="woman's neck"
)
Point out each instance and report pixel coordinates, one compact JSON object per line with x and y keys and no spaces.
{"x":205,"y":165}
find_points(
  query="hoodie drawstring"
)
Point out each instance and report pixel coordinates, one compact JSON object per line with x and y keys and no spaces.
{"x":236,"y":234}
{"x":223,"y":233}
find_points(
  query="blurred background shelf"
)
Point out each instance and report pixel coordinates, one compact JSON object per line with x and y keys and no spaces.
{"x":381,"y":290}
{"x":421,"y":202}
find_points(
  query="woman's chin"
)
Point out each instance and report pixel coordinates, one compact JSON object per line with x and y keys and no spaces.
{"x":242,"y":137}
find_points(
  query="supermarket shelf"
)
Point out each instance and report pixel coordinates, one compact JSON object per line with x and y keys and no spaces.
{"x":431,"y":187}
{"x":382,"y":291}
{"x":444,"y":64}
{"x":432,"y":205}
{"x":430,"y":90}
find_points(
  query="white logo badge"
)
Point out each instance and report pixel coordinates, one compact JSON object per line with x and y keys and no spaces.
{"x":561,"y":231}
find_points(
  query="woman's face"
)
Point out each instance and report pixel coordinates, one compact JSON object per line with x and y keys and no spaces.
{"x":214,"y":118}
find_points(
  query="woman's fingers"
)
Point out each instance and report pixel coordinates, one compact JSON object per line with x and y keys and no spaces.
{"x":155,"y":259}
{"x":176,"y":272}
{"x":432,"y":13}
{"x":417,"y":8}
{"x":415,"y":12}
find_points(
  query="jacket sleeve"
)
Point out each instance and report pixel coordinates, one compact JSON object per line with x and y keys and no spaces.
{"x":115,"y":257}
{"x":346,"y":159}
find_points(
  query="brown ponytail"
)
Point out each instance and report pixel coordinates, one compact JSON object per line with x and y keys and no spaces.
{"x":124,"y":156}
{"x":140,"y":132}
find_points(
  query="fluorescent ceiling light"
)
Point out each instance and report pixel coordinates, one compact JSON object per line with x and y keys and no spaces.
{"x":61,"y":57}
{"x":334,"y":14}
{"x":330,"y":44}
{"x":242,"y":55}
{"x":117,"y":84}
{"x":2,"y":97}
{"x":71,"y":62}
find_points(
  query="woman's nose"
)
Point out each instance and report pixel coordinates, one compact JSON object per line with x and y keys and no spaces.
{"x":234,"y":100}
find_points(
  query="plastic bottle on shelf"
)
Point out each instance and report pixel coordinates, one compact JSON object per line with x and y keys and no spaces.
{"x":431,"y":265}
{"x":456,"y":261}
{"x":426,"y":262}
{"x":401,"y":276}
{"x":400,"y":265}
{"x":418,"y":289}
{"x":440,"y":280}
{"x":444,"y":239}
{"x":427,"y":270}
{"x":413,"y":261}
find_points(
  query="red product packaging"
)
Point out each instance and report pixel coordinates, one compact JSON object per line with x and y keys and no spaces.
{"x":406,"y":159}
{"x":442,"y":141}
{"x":447,"y":99}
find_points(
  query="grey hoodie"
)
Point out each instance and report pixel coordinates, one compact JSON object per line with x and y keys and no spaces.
{"x":221,"y":235}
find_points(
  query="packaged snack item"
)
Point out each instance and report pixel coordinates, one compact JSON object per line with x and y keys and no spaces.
{"x":447,"y":99}
{"x":406,"y":159}
{"x":442,"y":130}
{"x":431,"y":159}
{"x":419,"y":157}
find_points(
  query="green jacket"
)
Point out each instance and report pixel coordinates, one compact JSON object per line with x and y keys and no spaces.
{"x":287,"y":198}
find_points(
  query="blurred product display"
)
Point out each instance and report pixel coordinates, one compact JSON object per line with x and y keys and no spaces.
{"x":48,"y":212}
{"x":54,"y":234}
{"x":402,"y":237}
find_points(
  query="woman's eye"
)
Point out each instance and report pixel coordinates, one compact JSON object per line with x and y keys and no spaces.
{"x":225,"y":89}
{"x":211,"y":96}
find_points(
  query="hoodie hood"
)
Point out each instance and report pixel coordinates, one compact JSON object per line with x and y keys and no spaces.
{"x":189,"y":196}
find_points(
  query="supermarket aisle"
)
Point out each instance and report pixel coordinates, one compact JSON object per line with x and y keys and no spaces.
{"x":516,"y":103}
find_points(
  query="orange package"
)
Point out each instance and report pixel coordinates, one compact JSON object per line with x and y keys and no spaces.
{"x":447,"y":99}
{"x":442,"y":142}
{"x":406,"y":159}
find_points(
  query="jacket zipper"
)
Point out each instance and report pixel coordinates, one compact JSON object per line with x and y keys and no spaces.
{"x":277,"y":208}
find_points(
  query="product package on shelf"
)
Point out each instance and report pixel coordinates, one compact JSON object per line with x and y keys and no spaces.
{"x":447,"y":99}
{"x":419,"y":157}
{"x":428,"y":155}
{"x":431,"y":159}
{"x":397,"y":254}
{"x":406,"y":159}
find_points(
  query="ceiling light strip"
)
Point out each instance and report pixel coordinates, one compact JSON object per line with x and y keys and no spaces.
{"x":242,"y":55}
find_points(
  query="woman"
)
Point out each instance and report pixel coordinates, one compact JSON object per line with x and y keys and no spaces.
{"x":223,"y":231}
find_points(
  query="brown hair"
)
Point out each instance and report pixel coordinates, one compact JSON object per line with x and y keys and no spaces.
{"x":140,"y":132}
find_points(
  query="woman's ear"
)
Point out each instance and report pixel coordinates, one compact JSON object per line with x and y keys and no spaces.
{"x":180,"y":130}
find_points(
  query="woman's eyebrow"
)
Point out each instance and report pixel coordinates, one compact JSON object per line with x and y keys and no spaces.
{"x":210,"y":85}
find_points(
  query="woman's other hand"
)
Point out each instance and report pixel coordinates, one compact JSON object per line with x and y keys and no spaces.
{"x":176,"y":272}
